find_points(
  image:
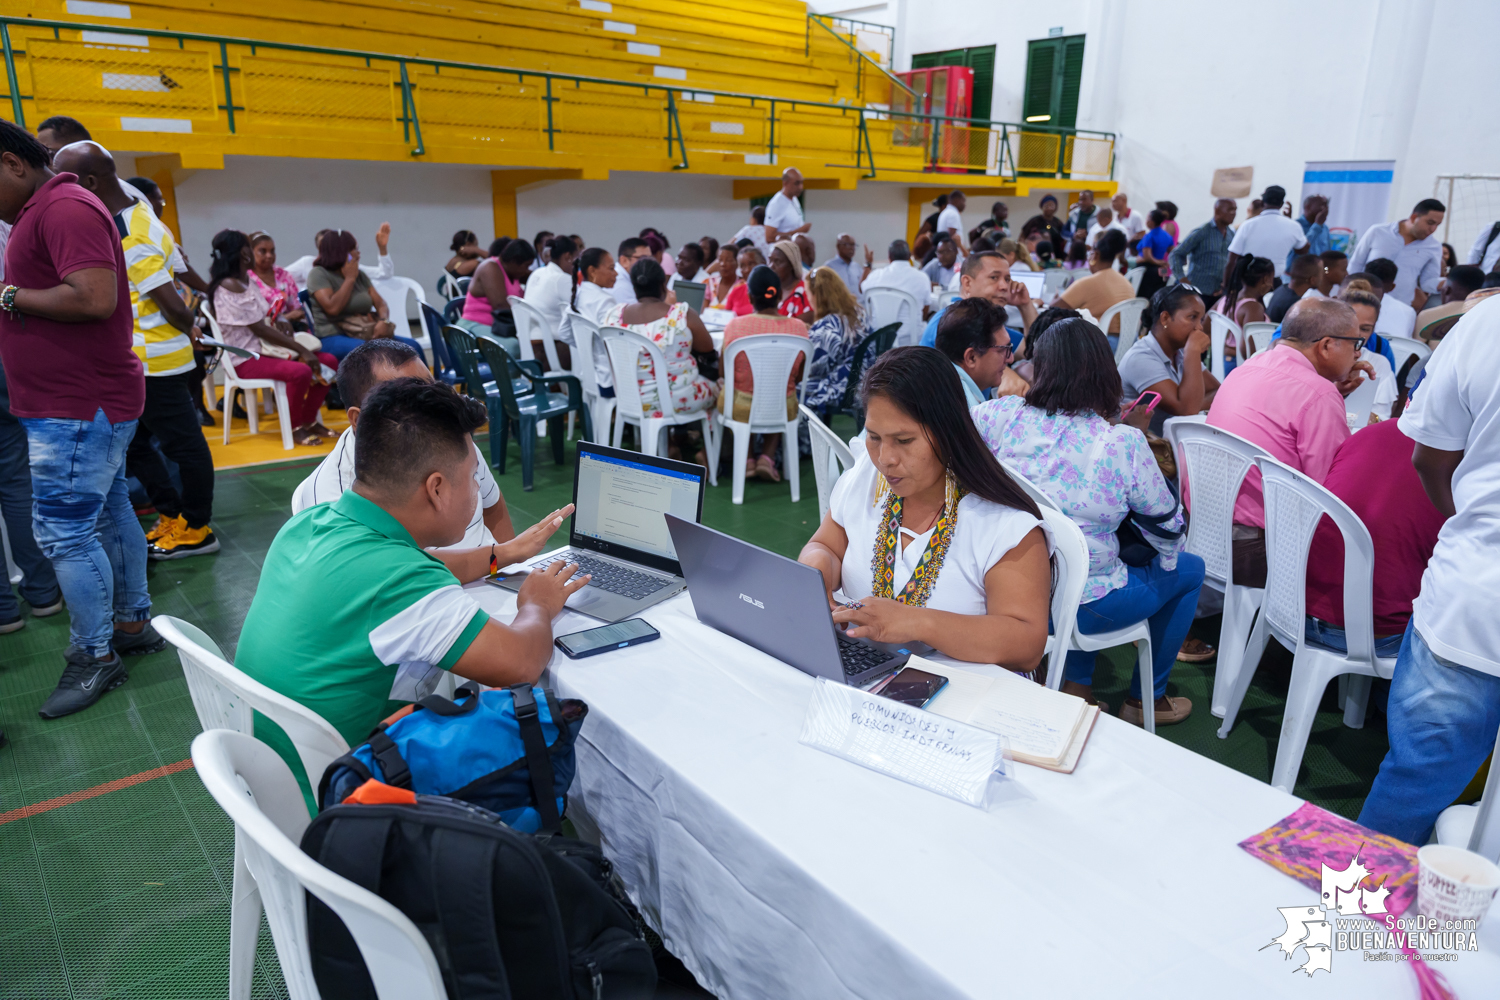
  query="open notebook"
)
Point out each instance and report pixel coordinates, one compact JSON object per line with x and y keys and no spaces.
{"x":1045,"y":727}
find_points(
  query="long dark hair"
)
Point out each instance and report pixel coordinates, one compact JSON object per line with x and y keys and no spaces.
{"x":924,"y":385}
{"x":1074,"y":371}
{"x":228,"y":245}
{"x":1248,"y":271}
{"x":587,"y":260}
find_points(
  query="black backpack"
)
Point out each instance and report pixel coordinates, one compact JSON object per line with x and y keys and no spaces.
{"x":509,"y":915}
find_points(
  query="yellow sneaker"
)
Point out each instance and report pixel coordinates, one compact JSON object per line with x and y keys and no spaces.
{"x":184,"y":542}
{"x":163,"y":527}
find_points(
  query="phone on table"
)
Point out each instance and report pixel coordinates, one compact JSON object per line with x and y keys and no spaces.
{"x":913,"y":687}
{"x":1149,"y":398}
{"x":591,"y":642}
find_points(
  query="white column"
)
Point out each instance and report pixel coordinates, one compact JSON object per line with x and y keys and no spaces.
{"x":901,"y":57}
{"x":1393,"y":77}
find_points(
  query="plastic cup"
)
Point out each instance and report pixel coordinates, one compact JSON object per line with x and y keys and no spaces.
{"x":1455,"y":884}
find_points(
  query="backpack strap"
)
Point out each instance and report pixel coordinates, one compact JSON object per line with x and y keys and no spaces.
{"x":537,"y":761}
{"x":462,"y":882}
{"x":397,"y":774}
{"x":1494,"y":231}
{"x":436,"y":703}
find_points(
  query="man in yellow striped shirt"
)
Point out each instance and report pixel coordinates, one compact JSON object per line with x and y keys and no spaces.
{"x":163,"y":342}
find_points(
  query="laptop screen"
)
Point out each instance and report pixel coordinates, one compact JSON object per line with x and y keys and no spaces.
{"x":691,"y":292}
{"x":622,"y":497}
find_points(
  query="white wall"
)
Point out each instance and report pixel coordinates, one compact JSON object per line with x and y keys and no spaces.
{"x":1190,"y":87}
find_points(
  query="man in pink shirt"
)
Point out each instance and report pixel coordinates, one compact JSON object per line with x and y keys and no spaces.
{"x":1290,"y":401}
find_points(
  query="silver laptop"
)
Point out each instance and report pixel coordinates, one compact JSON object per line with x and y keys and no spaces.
{"x":691,"y":292}
{"x":777,"y":605}
{"x":617,"y":532}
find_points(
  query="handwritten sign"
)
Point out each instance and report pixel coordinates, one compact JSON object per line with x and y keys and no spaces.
{"x":917,"y":747}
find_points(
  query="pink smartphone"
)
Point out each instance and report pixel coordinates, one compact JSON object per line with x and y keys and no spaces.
{"x":1149,"y":398}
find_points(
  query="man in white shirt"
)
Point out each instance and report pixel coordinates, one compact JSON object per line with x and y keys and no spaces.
{"x":1444,"y":704}
{"x":385,"y":267}
{"x":900,"y":273}
{"x":784,"y":212}
{"x":1410,"y":244}
{"x":1486,"y":251}
{"x":550,"y":288}
{"x":951,"y":220}
{"x":1132,"y":223}
{"x":843,"y":265}
{"x":630,"y":253}
{"x":490,"y":528}
{"x":1104,"y":219}
{"x":1269,"y":234}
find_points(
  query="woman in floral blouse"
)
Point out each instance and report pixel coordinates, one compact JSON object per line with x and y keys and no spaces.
{"x":838,"y":325}
{"x":1061,"y":437}
{"x":275,"y":284}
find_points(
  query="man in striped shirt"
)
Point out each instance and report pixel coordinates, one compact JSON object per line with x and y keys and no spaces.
{"x":163,"y":327}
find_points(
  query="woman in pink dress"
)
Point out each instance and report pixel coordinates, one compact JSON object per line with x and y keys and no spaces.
{"x":275,"y":284}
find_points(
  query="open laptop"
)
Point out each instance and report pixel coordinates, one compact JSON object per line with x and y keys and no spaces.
{"x":617,"y":532}
{"x":777,"y":605}
{"x":691,"y":292}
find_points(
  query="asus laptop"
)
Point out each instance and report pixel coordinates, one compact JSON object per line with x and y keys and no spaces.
{"x":777,"y":605}
{"x":617,"y":531}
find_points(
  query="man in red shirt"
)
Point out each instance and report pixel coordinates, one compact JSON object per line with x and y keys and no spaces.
{"x":1373,"y":474}
{"x":78,"y":389}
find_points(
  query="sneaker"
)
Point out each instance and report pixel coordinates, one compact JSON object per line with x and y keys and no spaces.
{"x":164,"y":526}
{"x":1175,"y":711}
{"x":12,"y":625}
{"x":184,"y":542}
{"x":147,"y":640}
{"x":206,"y":419}
{"x":47,"y":610}
{"x":84,"y":681}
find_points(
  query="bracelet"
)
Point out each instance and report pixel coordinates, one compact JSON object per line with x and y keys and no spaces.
{"x":8,"y":300}
{"x":494,"y":562}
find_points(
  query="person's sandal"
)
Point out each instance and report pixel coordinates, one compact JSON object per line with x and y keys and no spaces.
{"x":307,"y":438}
{"x":766,"y":469}
{"x":1176,"y":711}
{"x":1196,"y":651}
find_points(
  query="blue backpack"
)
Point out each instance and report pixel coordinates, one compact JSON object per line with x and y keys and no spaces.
{"x":509,"y":750}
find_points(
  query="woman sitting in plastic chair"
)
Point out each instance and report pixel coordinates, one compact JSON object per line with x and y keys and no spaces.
{"x":680,"y":334}
{"x":765,"y":289}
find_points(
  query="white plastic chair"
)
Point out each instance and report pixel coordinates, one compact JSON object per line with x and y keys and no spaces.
{"x":601,"y":408}
{"x":1257,"y":338}
{"x":625,"y":348}
{"x":1135,"y":276}
{"x":1072,"y":560}
{"x":225,"y":698}
{"x":771,"y":357}
{"x":532,"y":325}
{"x":1405,"y":347}
{"x":1219,"y":329}
{"x":831,"y":458}
{"x":883,"y":306}
{"x":1477,"y":826}
{"x":1129,"y":312}
{"x":251,"y":388}
{"x":1212,"y":464}
{"x":255,"y":788}
{"x":396,"y":291}
{"x":1295,"y":505}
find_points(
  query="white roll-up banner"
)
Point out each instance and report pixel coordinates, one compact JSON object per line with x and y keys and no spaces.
{"x":1358,"y":193}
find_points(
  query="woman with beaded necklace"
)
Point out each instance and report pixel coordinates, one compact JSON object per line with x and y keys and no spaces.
{"x":927,"y":537}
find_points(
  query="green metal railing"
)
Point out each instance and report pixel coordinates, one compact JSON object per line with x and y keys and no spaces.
{"x":934,"y":127}
{"x":858,"y":56}
{"x":854,"y":27}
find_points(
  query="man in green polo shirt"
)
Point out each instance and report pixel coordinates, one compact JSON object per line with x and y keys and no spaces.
{"x":351,"y":617}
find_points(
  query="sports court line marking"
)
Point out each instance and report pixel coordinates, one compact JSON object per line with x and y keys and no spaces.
{"x":91,"y":793}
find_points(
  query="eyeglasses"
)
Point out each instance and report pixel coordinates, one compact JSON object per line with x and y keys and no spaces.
{"x":1359,"y":342}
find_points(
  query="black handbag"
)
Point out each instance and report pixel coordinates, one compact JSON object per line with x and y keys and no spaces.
{"x":1135,"y":550}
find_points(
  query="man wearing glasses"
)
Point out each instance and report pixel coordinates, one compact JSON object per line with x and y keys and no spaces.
{"x":972,"y":335}
{"x":632,"y":251}
{"x":1290,"y":401}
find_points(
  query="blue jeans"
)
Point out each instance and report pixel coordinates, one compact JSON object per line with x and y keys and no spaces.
{"x":84,"y":523}
{"x":1166,"y":599}
{"x":1441,"y":720}
{"x":1332,"y":637}
{"x":38,"y":582}
{"x":341,"y":344}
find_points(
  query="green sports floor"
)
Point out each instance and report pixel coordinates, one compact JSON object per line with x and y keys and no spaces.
{"x":115,"y":863}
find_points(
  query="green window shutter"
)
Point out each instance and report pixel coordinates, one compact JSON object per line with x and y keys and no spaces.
{"x":925,"y":60}
{"x":1041,"y":60}
{"x":982,"y":62}
{"x":1072,"y":76}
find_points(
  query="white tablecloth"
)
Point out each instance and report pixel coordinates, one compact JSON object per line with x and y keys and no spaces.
{"x":778,"y":871}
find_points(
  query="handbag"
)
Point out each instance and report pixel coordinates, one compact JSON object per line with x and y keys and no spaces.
{"x":1135,"y":550}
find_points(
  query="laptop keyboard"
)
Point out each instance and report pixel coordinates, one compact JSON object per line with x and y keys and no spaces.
{"x":857,"y":657}
{"x":612,"y":577}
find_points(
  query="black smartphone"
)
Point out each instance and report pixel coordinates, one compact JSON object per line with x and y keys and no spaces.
{"x":591,"y":642}
{"x":913,"y":687}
